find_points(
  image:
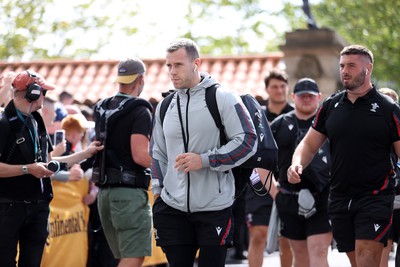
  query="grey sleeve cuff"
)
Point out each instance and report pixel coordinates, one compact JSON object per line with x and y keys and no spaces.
{"x":61,"y":176}
{"x":205,"y":162}
{"x":156,"y":187}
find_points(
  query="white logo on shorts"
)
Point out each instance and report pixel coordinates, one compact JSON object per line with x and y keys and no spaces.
{"x":219,"y":229}
{"x":377,"y":226}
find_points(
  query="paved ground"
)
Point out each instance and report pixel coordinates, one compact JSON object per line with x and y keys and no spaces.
{"x":335,"y":259}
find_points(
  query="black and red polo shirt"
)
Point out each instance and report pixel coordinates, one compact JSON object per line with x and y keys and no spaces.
{"x":361,"y":135}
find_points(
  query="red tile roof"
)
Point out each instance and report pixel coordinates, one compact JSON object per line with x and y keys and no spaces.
{"x":89,"y":80}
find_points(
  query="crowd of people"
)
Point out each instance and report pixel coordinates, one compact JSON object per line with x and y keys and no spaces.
{"x":335,"y":181}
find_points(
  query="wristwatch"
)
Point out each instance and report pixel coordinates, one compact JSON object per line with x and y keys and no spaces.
{"x":25,"y":169}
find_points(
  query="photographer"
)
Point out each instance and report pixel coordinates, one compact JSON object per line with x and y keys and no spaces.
{"x":25,"y":186}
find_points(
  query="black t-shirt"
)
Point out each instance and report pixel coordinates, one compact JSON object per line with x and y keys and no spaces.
{"x":288,"y":131}
{"x":23,"y":187}
{"x":271,"y":116}
{"x":361,"y":137}
{"x":137,"y":121}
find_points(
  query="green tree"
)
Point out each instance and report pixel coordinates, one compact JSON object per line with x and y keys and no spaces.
{"x":29,"y":30}
{"x":251,"y":22}
{"x":372,"y":23}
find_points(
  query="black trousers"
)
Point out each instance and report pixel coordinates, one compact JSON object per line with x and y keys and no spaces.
{"x":25,"y":224}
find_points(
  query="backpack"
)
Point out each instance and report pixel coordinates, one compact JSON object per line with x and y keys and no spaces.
{"x":267,"y":150}
{"x":105,"y":118}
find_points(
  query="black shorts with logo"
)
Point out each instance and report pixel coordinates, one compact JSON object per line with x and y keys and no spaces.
{"x":367,"y":217}
{"x":175,"y":227}
{"x":258,"y":208}
{"x":297,"y":227}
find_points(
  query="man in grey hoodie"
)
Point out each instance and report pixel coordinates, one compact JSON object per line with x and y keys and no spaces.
{"x":191,"y":169}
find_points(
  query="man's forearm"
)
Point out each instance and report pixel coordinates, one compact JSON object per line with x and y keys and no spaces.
{"x":74,"y":158}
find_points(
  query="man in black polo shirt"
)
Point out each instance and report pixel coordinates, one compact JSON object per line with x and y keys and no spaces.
{"x":362,"y":125}
{"x":25,"y":186}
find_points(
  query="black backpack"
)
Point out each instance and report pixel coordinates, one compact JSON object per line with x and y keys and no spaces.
{"x":267,"y":150}
{"x":105,"y":117}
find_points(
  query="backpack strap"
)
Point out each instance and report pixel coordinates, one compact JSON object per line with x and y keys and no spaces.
{"x":165,"y":104}
{"x":211,"y":101}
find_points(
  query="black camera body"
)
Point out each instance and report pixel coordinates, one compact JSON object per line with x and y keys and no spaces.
{"x":56,"y":166}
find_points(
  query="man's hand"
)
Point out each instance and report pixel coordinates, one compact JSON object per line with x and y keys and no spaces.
{"x":93,"y":148}
{"x":91,"y":197}
{"x":39,"y":170}
{"x":75,"y":173}
{"x":59,"y":149}
{"x":293,"y":173}
{"x":188,"y":162}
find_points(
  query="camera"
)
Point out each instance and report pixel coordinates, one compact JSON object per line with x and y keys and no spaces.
{"x":56,"y":166}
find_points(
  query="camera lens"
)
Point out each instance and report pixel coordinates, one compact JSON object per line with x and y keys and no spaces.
{"x":53,"y":166}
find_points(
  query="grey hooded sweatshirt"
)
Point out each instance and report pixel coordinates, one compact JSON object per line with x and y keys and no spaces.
{"x":212,"y":187}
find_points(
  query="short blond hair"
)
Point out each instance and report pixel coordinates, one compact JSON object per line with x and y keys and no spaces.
{"x":389,"y":92}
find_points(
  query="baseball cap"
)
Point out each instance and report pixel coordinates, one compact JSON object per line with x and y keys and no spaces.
{"x":306,"y":86}
{"x":27,"y":77}
{"x":129,"y":69}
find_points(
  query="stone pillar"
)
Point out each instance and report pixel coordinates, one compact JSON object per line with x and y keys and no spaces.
{"x":314,"y":53}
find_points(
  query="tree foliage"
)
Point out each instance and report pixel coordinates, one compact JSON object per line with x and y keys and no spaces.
{"x":30,"y":31}
{"x":372,"y":23}
{"x":250,"y":22}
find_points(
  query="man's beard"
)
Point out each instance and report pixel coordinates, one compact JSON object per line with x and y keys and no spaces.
{"x":355,"y":82}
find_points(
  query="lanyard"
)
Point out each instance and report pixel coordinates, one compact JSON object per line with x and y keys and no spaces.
{"x":32,"y":132}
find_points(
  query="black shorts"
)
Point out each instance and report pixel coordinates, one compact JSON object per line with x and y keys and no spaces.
{"x":258,"y":208}
{"x":174,"y":227}
{"x":297,"y":227}
{"x":366,"y":217}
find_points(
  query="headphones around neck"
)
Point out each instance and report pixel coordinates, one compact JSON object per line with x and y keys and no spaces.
{"x":33,"y":89}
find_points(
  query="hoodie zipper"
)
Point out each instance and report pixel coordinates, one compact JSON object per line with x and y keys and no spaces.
{"x":185,"y":138}
{"x":187,"y":147}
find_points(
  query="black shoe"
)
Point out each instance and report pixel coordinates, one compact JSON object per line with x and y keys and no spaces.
{"x":239,"y":256}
